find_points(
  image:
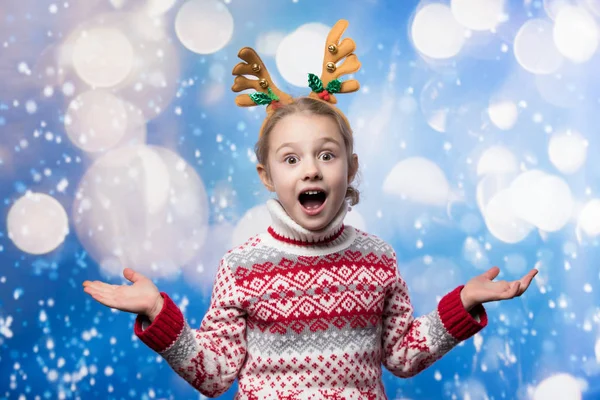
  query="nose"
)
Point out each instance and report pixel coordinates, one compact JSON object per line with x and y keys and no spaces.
{"x":311,"y":171}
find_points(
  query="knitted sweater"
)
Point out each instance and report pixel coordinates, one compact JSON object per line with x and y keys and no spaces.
{"x":299,"y":314}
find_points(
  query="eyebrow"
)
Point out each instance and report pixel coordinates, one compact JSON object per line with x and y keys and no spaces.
{"x":323,"y":140}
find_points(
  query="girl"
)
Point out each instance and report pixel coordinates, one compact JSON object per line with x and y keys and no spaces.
{"x":312,"y":308}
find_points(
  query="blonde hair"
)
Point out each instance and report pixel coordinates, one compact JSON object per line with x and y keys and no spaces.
{"x":316,"y":107}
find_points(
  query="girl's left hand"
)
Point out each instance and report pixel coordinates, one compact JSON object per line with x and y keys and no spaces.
{"x":483,"y":289}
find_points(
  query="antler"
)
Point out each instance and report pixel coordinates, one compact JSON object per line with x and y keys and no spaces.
{"x":334,"y":52}
{"x":264,"y":84}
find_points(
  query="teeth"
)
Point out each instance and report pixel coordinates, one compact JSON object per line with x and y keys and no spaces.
{"x":312,"y":192}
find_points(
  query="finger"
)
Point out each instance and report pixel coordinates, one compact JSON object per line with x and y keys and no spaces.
{"x":491,"y":273}
{"x":132,"y":275}
{"x":93,"y":284}
{"x":88,"y":284}
{"x":88,"y":290}
{"x":526,"y":280}
{"x":96,"y":295}
{"x":102,"y":287}
{"x":105,"y":288}
{"x":530,"y":274}
{"x":100,"y":294}
{"x":93,"y":291}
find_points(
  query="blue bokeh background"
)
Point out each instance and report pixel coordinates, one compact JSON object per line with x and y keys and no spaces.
{"x":56,"y":342}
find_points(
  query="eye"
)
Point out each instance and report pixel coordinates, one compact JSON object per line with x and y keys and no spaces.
{"x":291,"y":160}
{"x":327,"y":156}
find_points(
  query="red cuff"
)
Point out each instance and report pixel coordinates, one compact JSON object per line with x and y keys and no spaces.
{"x":457,"y":320}
{"x":165,"y":328}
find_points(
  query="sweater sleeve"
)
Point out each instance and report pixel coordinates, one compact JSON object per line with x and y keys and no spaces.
{"x":412,"y":344}
{"x":208,"y":358}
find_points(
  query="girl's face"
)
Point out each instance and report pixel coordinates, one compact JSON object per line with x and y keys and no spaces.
{"x":308,"y":169}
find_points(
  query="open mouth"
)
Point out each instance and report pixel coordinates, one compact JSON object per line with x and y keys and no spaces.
{"x":312,"y":200}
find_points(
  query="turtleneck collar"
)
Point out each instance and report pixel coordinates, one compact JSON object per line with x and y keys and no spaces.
{"x":285,"y":229}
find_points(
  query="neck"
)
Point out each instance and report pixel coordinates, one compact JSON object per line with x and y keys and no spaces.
{"x":285,"y":229}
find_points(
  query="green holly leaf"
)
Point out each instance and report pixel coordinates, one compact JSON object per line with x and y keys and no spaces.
{"x":260,"y":98}
{"x":315,"y":83}
{"x":334,"y":86}
{"x":272,"y":95}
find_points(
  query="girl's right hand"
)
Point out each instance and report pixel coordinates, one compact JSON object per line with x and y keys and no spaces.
{"x":142,"y":297}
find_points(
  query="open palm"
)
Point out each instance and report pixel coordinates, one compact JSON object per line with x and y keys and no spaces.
{"x":140,"y":298}
{"x":483,"y":289}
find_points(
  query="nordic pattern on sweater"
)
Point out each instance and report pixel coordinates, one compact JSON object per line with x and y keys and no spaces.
{"x":312,"y":325}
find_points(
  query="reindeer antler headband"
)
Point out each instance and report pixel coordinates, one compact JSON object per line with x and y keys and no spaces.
{"x":323,"y":88}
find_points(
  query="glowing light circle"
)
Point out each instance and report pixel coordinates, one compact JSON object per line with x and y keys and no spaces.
{"x":102,"y":56}
{"x":436,"y":33}
{"x":204,"y":26}
{"x":37,"y":223}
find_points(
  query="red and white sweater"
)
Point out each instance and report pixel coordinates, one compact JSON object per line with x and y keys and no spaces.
{"x":298,"y":314}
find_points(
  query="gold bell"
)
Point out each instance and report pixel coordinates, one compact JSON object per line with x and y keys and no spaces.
{"x":256,"y":67}
{"x":330,"y":67}
{"x":332,"y":48}
{"x":263,"y":83}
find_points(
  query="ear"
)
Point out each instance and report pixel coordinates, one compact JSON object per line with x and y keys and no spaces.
{"x":353,"y":168}
{"x":264,"y":177}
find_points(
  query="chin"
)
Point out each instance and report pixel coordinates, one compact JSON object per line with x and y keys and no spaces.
{"x":313,"y":225}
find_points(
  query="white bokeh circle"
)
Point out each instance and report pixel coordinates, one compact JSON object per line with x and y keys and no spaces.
{"x":555,"y":204}
{"x":490,"y":185}
{"x":355,"y":219}
{"x":479,"y":15}
{"x":543,"y":200}
{"x":37,"y":223}
{"x":142,"y":207}
{"x":567,"y":151}
{"x":559,"y":386}
{"x":497,"y":160}
{"x":575,"y":34}
{"x":204,"y":26}
{"x":503,"y":114}
{"x":96,"y":120}
{"x":102,"y":56}
{"x":158,"y":7}
{"x":301,"y":53}
{"x":513,"y":207}
{"x":552,"y":7}
{"x":268,"y":43}
{"x":436,"y":33}
{"x":534,"y":47}
{"x":502,"y":221}
{"x":151,"y":81}
{"x":419,"y":180}
{"x":523,"y":199}
{"x":589,"y":218}
{"x":254,"y":221}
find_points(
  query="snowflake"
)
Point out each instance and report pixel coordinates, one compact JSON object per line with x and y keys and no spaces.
{"x":5,"y":326}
